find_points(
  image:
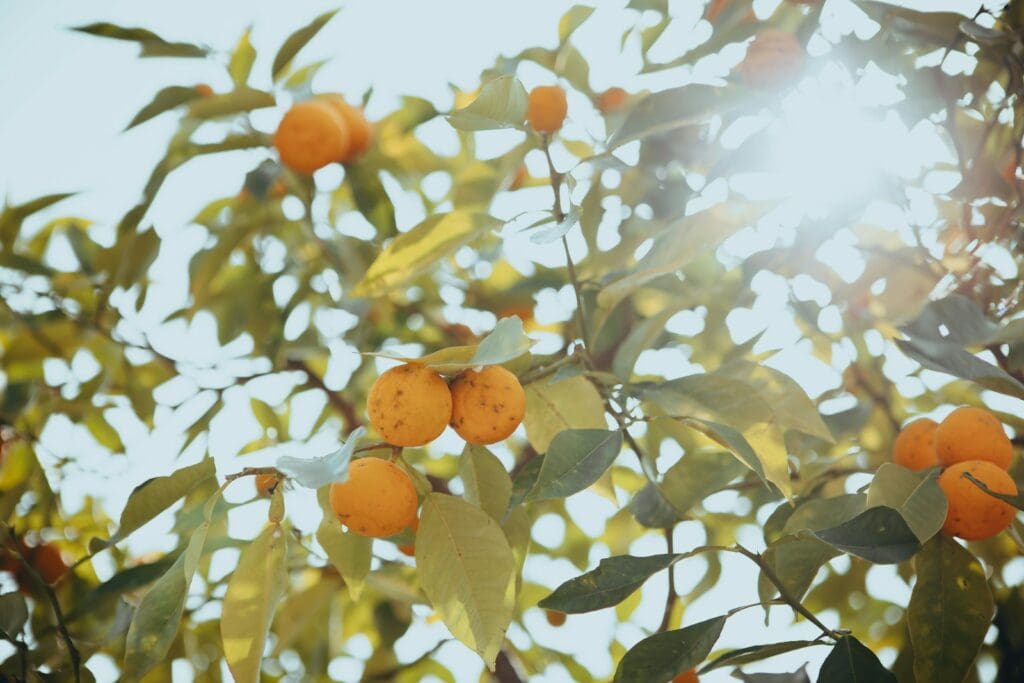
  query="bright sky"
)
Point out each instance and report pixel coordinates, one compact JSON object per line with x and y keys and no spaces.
{"x":67,"y":97}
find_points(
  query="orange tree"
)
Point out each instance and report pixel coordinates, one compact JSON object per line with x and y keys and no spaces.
{"x":855,"y":558}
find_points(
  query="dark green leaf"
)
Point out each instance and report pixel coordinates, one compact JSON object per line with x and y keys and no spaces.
{"x":879,"y":534}
{"x":296,"y":41}
{"x":755,"y":653}
{"x":943,"y":356}
{"x":851,"y":662}
{"x":666,"y":655}
{"x":614,"y":579}
{"x":576,"y":458}
{"x":651,"y":509}
{"x":372,"y":199}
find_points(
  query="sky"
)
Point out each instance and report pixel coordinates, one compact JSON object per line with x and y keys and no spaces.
{"x":66,"y":98}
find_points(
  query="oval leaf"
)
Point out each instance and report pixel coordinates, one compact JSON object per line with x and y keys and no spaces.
{"x":666,"y":655}
{"x":551,"y":408}
{"x":878,"y":535}
{"x":575,"y":459}
{"x":614,"y":579}
{"x":851,"y":662}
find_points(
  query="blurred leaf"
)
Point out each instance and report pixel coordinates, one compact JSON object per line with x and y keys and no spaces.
{"x":372,"y":199}
{"x":674,"y":108}
{"x":787,"y":399}
{"x":168,"y":98}
{"x":697,"y":475}
{"x":950,"y":610}
{"x":879,"y":535}
{"x":572,"y":403}
{"x":614,"y":579}
{"x":487,"y":484}
{"x":350,"y":553}
{"x":501,"y":104}
{"x":153,"y":496}
{"x":296,"y":41}
{"x":467,"y":570}
{"x":413,"y":253}
{"x":949,"y":358}
{"x":12,"y":216}
{"x":13,"y":615}
{"x":104,"y":434}
{"x":225,"y":104}
{"x":575,"y":459}
{"x":315,"y":473}
{"x":666,"y":655}
{"x":504,"y":343}
{"x":152,"y":45}
{"x":524,"y":481}
{"x":915,"y":495}
{"x":557,"y":231}
{"x":242,"y":60}
{"x":851,"y":662}
{"x":572,"y":20}
{"x":755,"y":653}
{"x":256,"y":586}
{"x":798,"y":676}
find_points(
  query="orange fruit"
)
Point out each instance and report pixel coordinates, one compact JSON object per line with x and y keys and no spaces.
{"x":487,"y":405}
{"x":546,"y":108}
{"x":377,"y":500}
{"x":410,"y":549}
{"x":359,"y":129}
{"x":611,"y":99}
{"x":410,"y":405}
{"x":773,"y":58}
{"x":970,"y":433}
{"x":266,"y":483}
{"x":521,"y":176}
{"x":310,"y":136}
{"x":555,"y":618}
{"x":204,"y":90}
{"x":973,"y":514}
{"x":44,"y":558}
{"x":715,"y":8}
{"x":687,"y":677}
{"x":914,"y":447}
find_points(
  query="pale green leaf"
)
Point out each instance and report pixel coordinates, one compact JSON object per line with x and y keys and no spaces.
{"x":915,"y":495}
{"x":487,"y":484}
{"x":349,"y":553}
{"x":500,"y":104}
{"x":154,"y":496}
{"x":572,"y":403}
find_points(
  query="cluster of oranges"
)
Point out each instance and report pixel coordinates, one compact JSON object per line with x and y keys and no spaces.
{"x":322,"y":131}
{"x":969,"y":441}
{"x":44,"y":558}
{"x":410,"y":405}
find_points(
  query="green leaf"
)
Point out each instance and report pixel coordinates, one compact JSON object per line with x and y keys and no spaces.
{"x":153,"y":496}
{"x":501,"y":104}
{"x":878,"y":535}
{"x":296,"y":41}
{"x":915,"y":495}
{"x":255,"y":588}
{"x":242,"y":60}
{"x":467,"y":570}
{"x":156,"y":620}
{"x":790,"y":405}
{"x":101,"y":430}
{"x":575,"y":459}
{"x":225,"y":104}
{"x":487,"y":484}
{"x":697,"y":475}
{"x":12,"y":217}
{"x":795,"y":561}
{"x":315,"y":473}
{"x":950,"y":611}
{"x":572,"y":403}
{"x":614,"y":579}
{"x":755,"y":653}
{"x":674,"y":108}
{"x":13,"y":615}
{"x":505,"y":343}
{"x":851,"y":662}
{"x":413,"y":253}
{"x":943,"y":356}
{"x":350,"y":553}
{"x":650,"y":507}
{"x":165,"y":100}
{"x":265,"y":415}
{"x":152,"y":45}
{"x":524,"y":481}
{"x":372,"y":199}
{"x":666,"y":655}
{"x":572,"y":20}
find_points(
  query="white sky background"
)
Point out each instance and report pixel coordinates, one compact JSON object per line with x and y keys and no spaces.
{"x":66,"y":97}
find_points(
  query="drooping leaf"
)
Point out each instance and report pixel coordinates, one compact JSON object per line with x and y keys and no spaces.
{"x":413,"y":253}
{"x":467,"y":570}
{"x":575,"y":459}
{"x":500,"y":104}
{"x":950,"y":610}
{"x":614,"y":579}
{"x":571,"y":403}
{"x":697,"y":475}
{"x":255,"y":588}
{"x":915,"y":495}
{"x":851,"y":662}
{"x":152,"y":497}
{"x":315,"y":473}
{"x":663,"y":656}
{"x":650,"y":507}
{"x":788,"y":401}
{"x":950,"y":358}
{"x":372,"y":198}
{"x":168,"y":98}
{"x":879,"y":534}
{"x":487,"y":484}
{"x":296,"y":41}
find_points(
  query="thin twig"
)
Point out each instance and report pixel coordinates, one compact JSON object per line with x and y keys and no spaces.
{"x":337,"y":401}
{"x":670,"y":601}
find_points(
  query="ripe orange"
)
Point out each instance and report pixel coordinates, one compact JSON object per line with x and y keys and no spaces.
{"x":359,"y":129}
{"x":204,"y":90}
{"x":914,"y":447}
{"x":611,"y":100}
{"x":555,"y":618}
{"x":310,"y":136}
{"x":687,"y":677}
{"x":973,"y":514}
{"x":773,"y":58}
{"x":487,"y":405}
{"x":266,"y":483}
{"x":546,"y":108}
{"x":44,"y":558}
{"x":410,"y":405}
{"x":970,"y":433}
{"x":377,"y":500}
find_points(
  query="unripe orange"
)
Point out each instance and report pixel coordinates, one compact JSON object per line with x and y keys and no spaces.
{"x":265,"y":484}
{"x":555,"y":618}
{"x":973,"y":514}
{"x":204,"y":90}
{"x":687,"y":677}
{"x":546,"y":108}
{"x":359,"y":129}
{"x":410,"y":405}
{"x":487,"y":405}
{"x":914,"y":447}
{"x":377,"y":500}
{"x":611,"y":100}
{"x":773,"y":58}
{"x":970,"y":433}
{"x":310,"y":136}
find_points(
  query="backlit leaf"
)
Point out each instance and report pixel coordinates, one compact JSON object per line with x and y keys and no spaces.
{"x":696,"y":476}
{"x":168,"y":98}
{"x":349,"y":553}
{"x":154,"y":496}
{"x":487,"y":484}
{"x":915,"y":495}
{"x":572,"y":403}
{"x":500,"y":104}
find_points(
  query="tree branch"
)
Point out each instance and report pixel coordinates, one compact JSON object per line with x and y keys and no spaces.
{"x":337,"y":401}
{"x":670,"y":601}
